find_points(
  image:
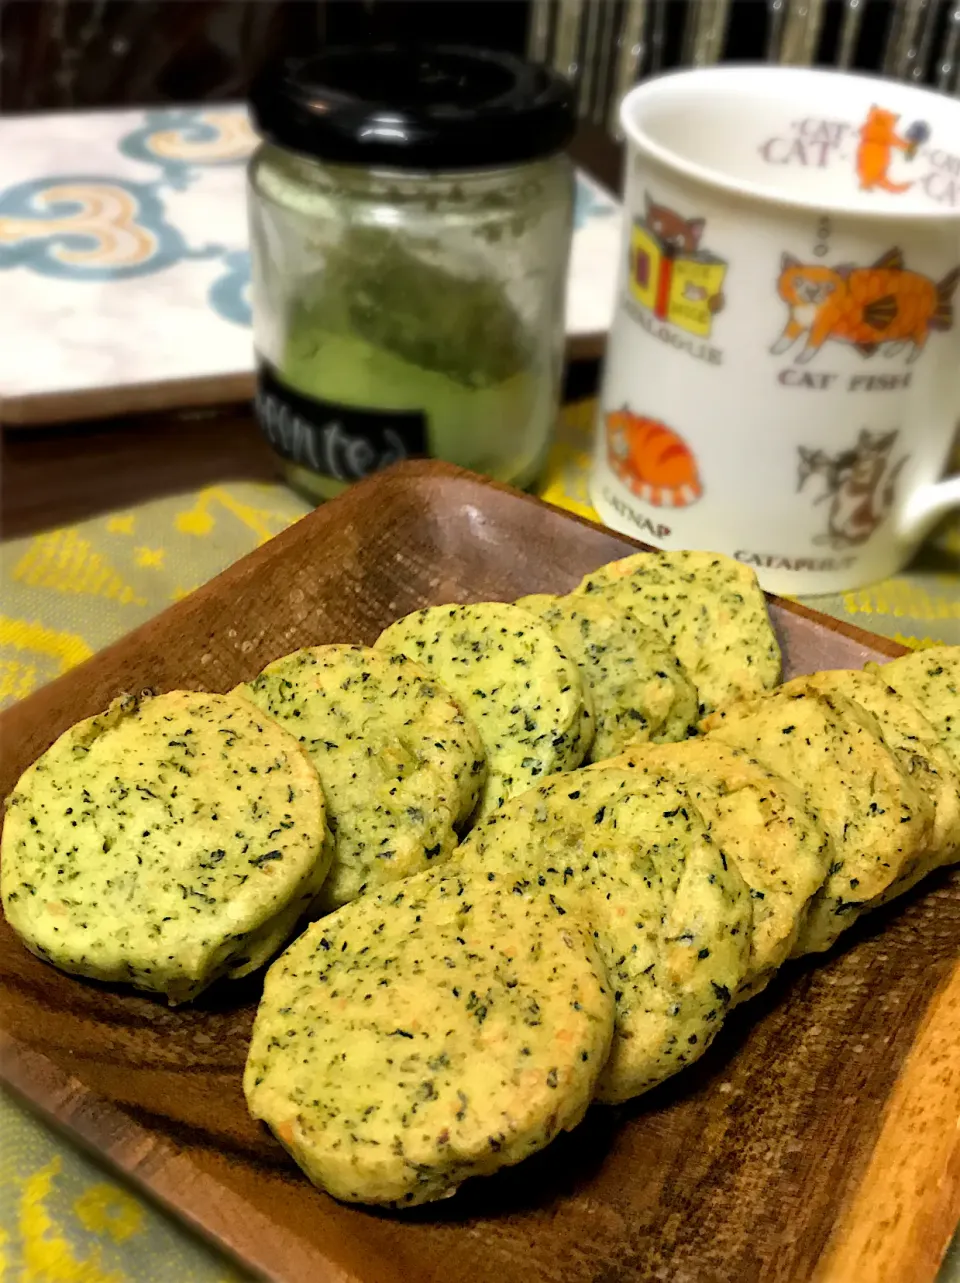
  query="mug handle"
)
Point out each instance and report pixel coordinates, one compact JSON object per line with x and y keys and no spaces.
{"x":927,"y":505}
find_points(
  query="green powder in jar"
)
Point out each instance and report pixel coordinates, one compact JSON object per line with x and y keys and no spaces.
{"x":383,"y":328}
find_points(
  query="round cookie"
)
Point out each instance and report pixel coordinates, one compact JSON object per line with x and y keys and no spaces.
{"x":163,"y":843}
{"x":879,"y":819}
{"x":708,"y":609}
{"x":916,"y":746}
{"x":441,"y":1029}
{"x":670,"y":913}
{"x":762,"y":823}
{"x":930,"y":680}
{"x":522,"y":693}
{"x":401,"y":767}
{"x":638,"y":688}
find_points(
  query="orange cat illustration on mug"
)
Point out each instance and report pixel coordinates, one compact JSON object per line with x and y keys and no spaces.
{"x":653,"y":460}
{"x":883,"y":305}
{"x":879,"y":141}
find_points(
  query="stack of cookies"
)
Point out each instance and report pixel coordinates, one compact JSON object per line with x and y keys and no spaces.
{"x":545,"y":847}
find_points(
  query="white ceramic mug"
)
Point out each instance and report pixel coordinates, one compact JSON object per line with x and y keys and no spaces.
{"x":782,"y":380}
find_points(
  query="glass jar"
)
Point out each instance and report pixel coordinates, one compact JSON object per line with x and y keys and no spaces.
{"x":409,"y":257}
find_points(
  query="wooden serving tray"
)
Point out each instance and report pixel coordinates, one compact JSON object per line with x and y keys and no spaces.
{"x":817,"y":1140}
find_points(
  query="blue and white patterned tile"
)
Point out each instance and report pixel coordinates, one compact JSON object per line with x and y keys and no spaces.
{"x":114,"y":229}
{"x":123,"y":250}
{"x":229,"y":295}
{"x":81,"y":228}
{"x":182,"y":140}
{"x":594,"y":259}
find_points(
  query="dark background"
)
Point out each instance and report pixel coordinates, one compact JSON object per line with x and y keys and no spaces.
{"x":59,"y":54}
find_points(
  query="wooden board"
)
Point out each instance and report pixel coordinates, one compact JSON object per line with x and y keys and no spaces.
{"x":78,"y":405}
{"x":44,"y":409}
{"x":816,"y":1140}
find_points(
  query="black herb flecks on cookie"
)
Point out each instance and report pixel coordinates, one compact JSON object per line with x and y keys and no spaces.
{"x":638,"y":688}
{"x":400,"y":764}
{"x":164,"y":843}
{"x":669,"y":911}
{"x":915,"y":744}
{"x":523,"y":694}
{"x":878,"y":818}
{"x":710,"y":611}
{"x":761,"y":822}
{"x":438,"y":1030}
{"x":930,"y":679}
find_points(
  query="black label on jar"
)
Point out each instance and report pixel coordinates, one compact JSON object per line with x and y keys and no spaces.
{"x":340,"y":441}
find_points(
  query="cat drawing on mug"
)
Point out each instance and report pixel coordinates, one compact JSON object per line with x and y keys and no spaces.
{"x":881,"y":306}
{"x":680,"y":237}
{"x":679,"y":234}
{"x":652,"y":460}
{"x":878,"y":142}
{"x":859,"y":483}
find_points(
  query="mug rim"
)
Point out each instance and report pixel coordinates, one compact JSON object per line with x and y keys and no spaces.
{"x":665,"y":84}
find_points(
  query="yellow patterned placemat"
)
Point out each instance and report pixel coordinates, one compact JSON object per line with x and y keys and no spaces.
{"x":64,"y":1220}
{"x":69,"y":592}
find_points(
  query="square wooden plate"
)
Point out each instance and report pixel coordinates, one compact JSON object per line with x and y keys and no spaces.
{"x":817,"y":1138}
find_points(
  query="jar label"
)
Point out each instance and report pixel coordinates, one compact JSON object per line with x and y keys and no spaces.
{"x":339,"y":441}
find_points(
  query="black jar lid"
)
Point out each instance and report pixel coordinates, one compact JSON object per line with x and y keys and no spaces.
{"x":418,"y":107}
